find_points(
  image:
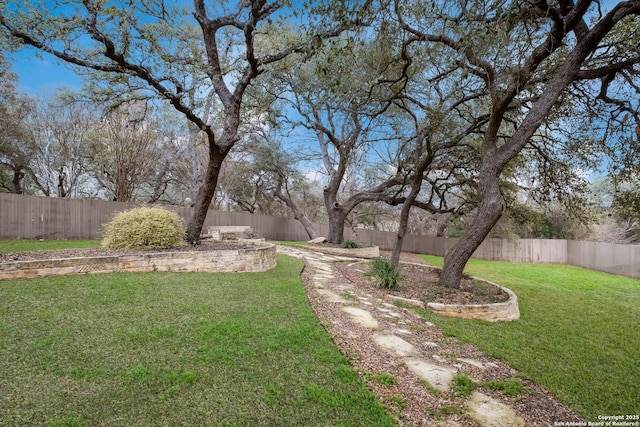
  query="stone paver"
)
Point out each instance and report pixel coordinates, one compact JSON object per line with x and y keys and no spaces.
{"x":361,"y":317}
{"x":395,"y":345}
{"x":333,"y":297}
{"x":440,"y":377}
{"x":473,"y":362}
{"x":491,"y":413}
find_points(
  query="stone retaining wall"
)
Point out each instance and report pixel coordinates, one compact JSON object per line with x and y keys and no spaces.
{"x":258,"y":258}
{"x":496,"y":312}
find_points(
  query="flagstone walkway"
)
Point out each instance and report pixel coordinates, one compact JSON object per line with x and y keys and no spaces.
{"x":395,"y":337}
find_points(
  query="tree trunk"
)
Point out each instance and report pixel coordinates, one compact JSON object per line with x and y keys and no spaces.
{"x":205,"y":195}
{"x":490,"y":209}
{"x":61,"y":178}
{"x":297,"y":213}
{"x":18,"y":176}
{"x":404,"y":221}
{"x":337,"y":217}
{"x":307,"y":224}
{"x":441,"y":224}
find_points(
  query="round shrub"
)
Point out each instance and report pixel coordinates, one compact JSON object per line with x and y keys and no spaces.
{"x":144,"y":228}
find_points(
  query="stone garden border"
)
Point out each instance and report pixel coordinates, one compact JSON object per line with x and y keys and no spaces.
{"x":258,"y":257}
{"x":497,"y":312}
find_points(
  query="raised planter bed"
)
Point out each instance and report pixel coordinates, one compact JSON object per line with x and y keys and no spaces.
{"x":257,"y":257}
{"x":496,"y":312}
{"x":503,"y":311}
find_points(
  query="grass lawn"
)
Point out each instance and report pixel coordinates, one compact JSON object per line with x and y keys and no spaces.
{"x":577,"y":336}
{"x":294,"y":244}
{"x":169,"y":349}
{"x":20,"y":245}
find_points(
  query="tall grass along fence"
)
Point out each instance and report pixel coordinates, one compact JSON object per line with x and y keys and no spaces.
{"x":29,"y":217}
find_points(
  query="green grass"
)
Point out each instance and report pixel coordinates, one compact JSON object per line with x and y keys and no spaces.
{"x":463,"y":385}
{"x":381,"y":378}
{"x":141,"y":349}
{"x":20,"y":245}
{"x":294,"y":244}
{"x":577,"y":335}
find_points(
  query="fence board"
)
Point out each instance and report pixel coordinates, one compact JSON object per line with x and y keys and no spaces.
{"x":623,"y":260}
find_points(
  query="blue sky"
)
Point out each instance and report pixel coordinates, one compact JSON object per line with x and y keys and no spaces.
{"x":42,"y":74}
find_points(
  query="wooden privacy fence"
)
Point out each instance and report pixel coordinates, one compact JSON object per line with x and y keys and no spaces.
{"x":28,"y":217}
{"x":33,"y":217}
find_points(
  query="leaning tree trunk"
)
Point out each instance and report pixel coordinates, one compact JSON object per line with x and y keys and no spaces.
{"x":205,"y":195}
{"x":490,"y":208}
{"x":298,"y":214}
{"x":307,"y":224}
{"x":404,"y":221}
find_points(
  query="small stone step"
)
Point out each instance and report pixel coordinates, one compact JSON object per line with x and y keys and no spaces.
{"x":333,"y":297}
{"x":440,"y":377}
{"x":473,"y":362}
{"x":488,"y":412}
{"x":395,"y":345}
{"x":361,"y":317}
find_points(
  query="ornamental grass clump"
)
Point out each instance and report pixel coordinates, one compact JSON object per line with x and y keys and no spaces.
{"x":385,"y":273}
{"x":144,"y":228}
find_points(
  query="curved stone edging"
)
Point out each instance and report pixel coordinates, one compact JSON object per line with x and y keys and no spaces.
{"x":261,"y":257}
{"x":496,"y":312}
{"x":365,"y":252}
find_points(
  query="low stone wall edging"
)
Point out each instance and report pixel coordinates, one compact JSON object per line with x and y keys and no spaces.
{"x":260,"y":258}
{"x":497,"y":312}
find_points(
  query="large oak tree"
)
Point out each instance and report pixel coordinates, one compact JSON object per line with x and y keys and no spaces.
{"x":526,"y":54}
{"x":182,"y":54}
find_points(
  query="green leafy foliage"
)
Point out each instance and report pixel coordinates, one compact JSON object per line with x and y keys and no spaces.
{"x":144,"y":228}
{"x":350,"y":244}
{"x":626,"y":204}
{"x":386,"y":274}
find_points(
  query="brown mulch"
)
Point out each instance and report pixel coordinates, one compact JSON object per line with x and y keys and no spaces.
{"x":420,"y":281}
